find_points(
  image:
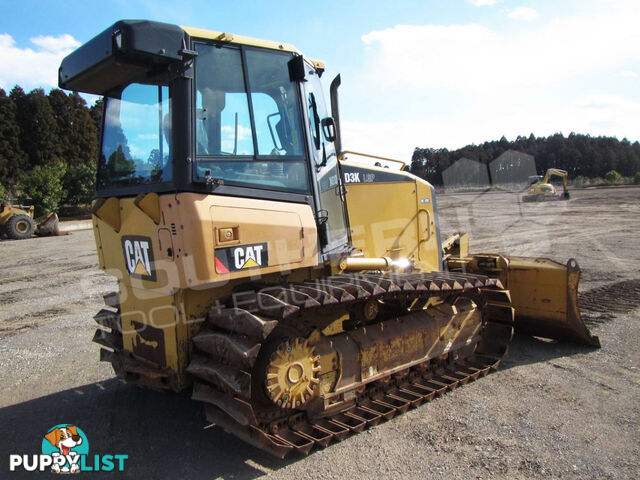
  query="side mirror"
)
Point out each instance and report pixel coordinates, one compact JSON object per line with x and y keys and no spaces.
{"x":328,"y":128}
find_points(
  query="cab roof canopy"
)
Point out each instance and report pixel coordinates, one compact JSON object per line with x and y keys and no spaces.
{"x":137,"y":49}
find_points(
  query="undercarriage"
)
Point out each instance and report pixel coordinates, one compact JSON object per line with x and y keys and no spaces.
{"x":301,"y":365}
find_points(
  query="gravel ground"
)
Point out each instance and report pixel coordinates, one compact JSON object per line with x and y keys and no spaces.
{"x":552,"y":411}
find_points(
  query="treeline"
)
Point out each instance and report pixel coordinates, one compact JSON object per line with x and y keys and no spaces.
{"x":48,"y":147}
{"x":580,"y":155}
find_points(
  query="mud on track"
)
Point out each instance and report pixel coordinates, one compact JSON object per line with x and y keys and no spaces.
{"x":552,"y":411}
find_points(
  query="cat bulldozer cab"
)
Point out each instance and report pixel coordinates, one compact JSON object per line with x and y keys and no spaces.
{"x":296,"y":290}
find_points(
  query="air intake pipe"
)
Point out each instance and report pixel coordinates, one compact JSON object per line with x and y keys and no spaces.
{"x":335,"y":112}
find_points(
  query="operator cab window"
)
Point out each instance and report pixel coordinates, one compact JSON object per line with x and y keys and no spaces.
{"x":248,"y":130}
{"x":136,"y":145}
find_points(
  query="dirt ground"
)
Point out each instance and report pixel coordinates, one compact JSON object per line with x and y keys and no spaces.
{"x":552,"y":411}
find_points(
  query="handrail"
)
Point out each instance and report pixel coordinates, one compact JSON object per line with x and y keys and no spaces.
{"x":342,"y":154}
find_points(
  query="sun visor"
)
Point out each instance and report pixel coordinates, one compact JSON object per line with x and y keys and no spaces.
{"x":124,"y":52}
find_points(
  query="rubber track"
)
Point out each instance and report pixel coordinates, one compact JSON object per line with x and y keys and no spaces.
{"x":228,"y":344}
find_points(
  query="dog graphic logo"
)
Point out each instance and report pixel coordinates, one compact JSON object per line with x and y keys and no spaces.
{"x":65,"y":443}
{"x":65,"y":449}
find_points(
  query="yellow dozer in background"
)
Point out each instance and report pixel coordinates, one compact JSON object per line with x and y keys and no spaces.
{"x":540,"y":189}
{"x":298,"y":293}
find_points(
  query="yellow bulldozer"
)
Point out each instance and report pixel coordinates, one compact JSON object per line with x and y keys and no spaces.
{"x":541,"y":189}
{"x":296,"y":293}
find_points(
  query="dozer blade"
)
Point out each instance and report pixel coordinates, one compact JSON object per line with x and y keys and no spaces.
{"x":544,"y":294}
{"x":48,"y":225}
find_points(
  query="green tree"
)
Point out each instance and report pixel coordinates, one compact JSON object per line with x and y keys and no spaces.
{"x":43,"y":186}
{"x":119,"y":165}
{"x":18,"y":97}
{"x":77,"y":141}
{"x":612,"y":176}
{"x":580,"y":155}
{"x":11,"y":155}
{"x":636,"y":179}
{"x":38,"y":128}
{"x":96,"y":114}
{"x":79,"y":183}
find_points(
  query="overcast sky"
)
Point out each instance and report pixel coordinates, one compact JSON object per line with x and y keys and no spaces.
{"x":414,"y":73}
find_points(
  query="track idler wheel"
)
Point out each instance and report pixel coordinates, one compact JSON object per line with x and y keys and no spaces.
{"x":292,"y":373}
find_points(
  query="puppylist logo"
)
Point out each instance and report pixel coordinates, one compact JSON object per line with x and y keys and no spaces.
{"x":65,"y":449}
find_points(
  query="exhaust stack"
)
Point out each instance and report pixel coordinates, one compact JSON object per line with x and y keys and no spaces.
{"x":335,"y":111}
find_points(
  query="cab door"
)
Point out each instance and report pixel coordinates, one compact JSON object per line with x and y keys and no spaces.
{"x":330,"y":204}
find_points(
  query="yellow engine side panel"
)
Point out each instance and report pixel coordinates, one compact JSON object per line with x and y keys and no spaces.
{"x":392,"y":214}
{"x":175,"y":255}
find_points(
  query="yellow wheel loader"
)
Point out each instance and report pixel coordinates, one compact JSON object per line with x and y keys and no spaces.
{"x":540,"y":189}
{"x":299,"y":295}
{"x":17,"y":222}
